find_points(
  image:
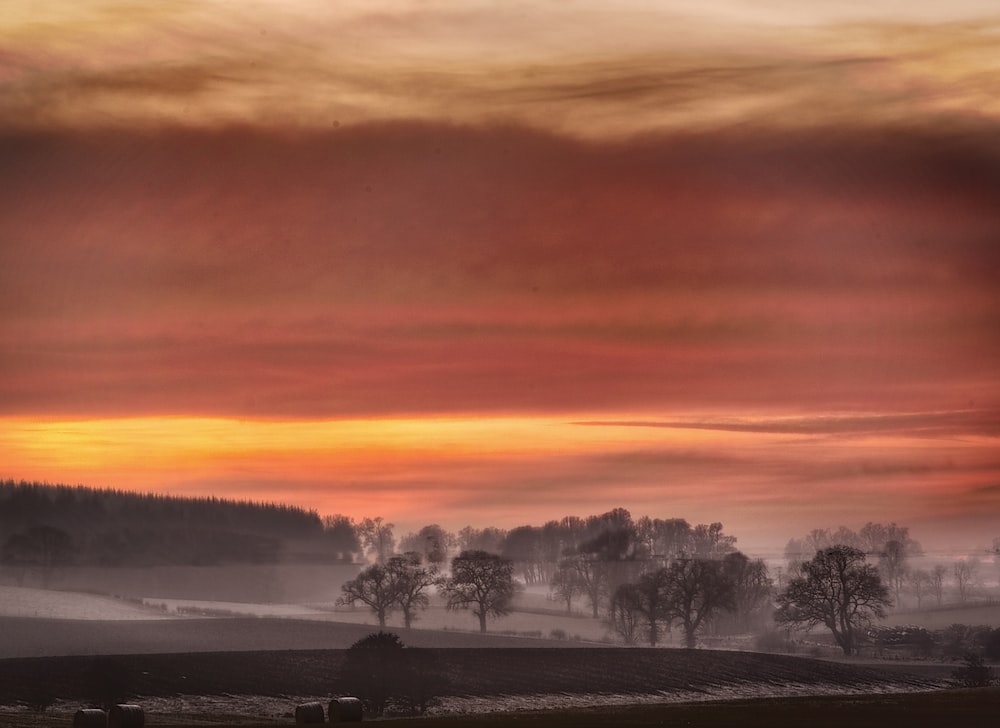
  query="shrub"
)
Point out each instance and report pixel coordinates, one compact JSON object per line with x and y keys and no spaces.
{"x":386,"y":675}
{"x":974,"y":674}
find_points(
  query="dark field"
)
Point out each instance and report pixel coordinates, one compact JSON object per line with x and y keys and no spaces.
{"x":952,"y":708}
{"x":470,"y":672}
{"x":702,"y":675}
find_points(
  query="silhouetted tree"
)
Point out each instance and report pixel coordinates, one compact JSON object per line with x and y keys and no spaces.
{"x":838,"y":590}
{"x":566,"y":584}
{"x":965,"y":576}
{"x":892,"y":565}
{"x":937,"y":582}
{"x":342,"y":536}
{"x":523,"y":547}
{"x":374,"y":669}
{"x":377,"y":537}
{"x":432,"y":543}
{"x":40,"y":547}
{"x":709,"y":542}
{"x":374,"y":587}
{"x":973,"y":674}
{"x":919,"y":581}
{"x":625,"y":613}
{"x":752,"y":590}
{"x":480,"y":581}
{"x":697,"y":590}
{"x":481,"y":539}
{"x":409,"y":582}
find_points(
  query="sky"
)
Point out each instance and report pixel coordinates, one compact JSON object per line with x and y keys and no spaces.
{"x":495,"y":263}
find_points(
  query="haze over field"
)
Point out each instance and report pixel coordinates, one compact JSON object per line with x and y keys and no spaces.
{"x":496,"y":263}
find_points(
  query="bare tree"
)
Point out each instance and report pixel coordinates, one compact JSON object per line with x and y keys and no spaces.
{"x":836,"y":589}
{"x":481,"y":539}
{"x":709,"y":542}
{"x":481,"y":581}
{"x":892,"y":565}
{"x":996,"y":556}
{"x":432,"y":543}
{"x":920,"y":584}
{"x":377,"y":537}
{"x":566,"y":584}
{"x":937,"y":582}
{"x":590,"y":576}
{"x":625,"y":612}
{"x":374,"y":587}
{"x":696,"y":590}
{"x":752,"y":589}
{"x":410,"y":582}
{"x":965,"y":571}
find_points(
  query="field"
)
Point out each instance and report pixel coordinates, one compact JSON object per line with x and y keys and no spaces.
{"x":188,"y":669}
{"x":232,"y":687}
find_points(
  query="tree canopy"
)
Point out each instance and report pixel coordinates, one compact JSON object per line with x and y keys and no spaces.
{"x":837,"y":589}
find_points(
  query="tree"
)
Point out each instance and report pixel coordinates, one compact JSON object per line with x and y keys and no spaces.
{"x":375,"y":587}
{"x":566,"y":584}
{"x":481,"y":581}
{"x":709,"y":542}
{"x":965,"y":576}
{"x":409,"y":581}
{"x":625,"y":612}
{"x":752,"y":589}
{"x":892,"y":565}
{"x":372,"y":669}
{"x":342,"y":536}
{"x":484,"y":539}
{"x":920,"y":584}
{"x":696,"y":590}
{"x":838,"y":590}
{"x":377,"y":537}
{"x":523,"y":547}
{"x":973,"y":674}
{"x":43,"y":547}
{"x":432,"y":542}
{"x":591,"y":578}
{"x":937,"y":582}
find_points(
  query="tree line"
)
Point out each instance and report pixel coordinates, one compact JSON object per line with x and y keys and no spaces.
{"x":46,"y":526}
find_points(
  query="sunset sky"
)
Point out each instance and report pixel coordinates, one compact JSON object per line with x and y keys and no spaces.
{"x":495,"y":263}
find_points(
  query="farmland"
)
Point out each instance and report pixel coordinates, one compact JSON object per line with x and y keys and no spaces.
{"x":265,"y":684}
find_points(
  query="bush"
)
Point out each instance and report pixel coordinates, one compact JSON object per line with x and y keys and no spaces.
{"x":992,"y":645}
{"x":388,"y":677}
{"x":974,"y":674}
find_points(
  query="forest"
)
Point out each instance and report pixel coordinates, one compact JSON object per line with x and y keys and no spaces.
{"x":44,"y":526}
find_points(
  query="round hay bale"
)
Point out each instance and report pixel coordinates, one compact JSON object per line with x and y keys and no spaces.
{"x":126,"y":716}
{"x":346,"y":710}
{"x":309,"y":713}
{"x":90,"y":718}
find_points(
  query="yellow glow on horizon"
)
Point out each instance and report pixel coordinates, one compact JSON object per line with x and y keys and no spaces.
{"x":155,"y":442}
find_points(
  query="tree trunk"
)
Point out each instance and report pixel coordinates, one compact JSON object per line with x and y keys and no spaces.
{"x":482,"y":621}
{"x":690,"y":639}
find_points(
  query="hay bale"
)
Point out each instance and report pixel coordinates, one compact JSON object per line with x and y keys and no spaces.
{"x":346,"y":710}
{"x":309,"y":713}
{"x":126,"y":716}
{"x":90,"y":718}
